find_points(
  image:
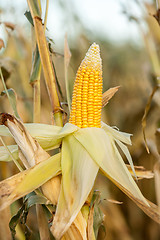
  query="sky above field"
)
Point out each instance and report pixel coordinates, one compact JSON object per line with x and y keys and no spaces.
{"x":100,"y":17}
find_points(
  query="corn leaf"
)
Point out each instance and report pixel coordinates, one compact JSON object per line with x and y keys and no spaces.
{"x":121,"y":136}
{"x":108,"y":95}
{"x":27,"y":181}
{"x":151,"y":209}
{"x":4,"y":155}
{"x":127,"y":154}
{"x":98,"y":216}
{"x":29,"y":17}
{"x":103,"y":151}
{"x":144,"y":119}
{"x":34,"y":7}
{"x":76,"y":184}
{"x":42,"y":223}
{"x":36,"y":199}
{"x":48,"y":136}
{"x":21,"y":216}
{"x":17,"y":218}
{"x":13,"y":100}
{"x":36,"y":66}
{"x":141,"y":172}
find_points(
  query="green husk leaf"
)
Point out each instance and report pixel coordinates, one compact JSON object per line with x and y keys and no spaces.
{"x":98,"y":216}
{"x":121,"y":136}
{"x":76,"y":184}
{"x":48,"y":136}
{"x":28,"y":15}
{"x":36,"y":199}
{"x":104,"y":152}
{"x":102,"y":149}
{"x":21,"y":215}
{"x":15,"y":220}
{"x":36,"y":66}
{"x":11,"y":96}
{"x":57,"y":82}
{"x":127,"y":154}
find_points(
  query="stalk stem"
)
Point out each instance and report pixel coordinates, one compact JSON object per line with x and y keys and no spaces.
{"x":46,"y":63}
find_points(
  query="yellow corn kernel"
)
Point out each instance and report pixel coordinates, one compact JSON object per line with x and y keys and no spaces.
{"x":87,"y":93}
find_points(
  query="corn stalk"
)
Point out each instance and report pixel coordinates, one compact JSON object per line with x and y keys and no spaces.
{"x":48,"y":70}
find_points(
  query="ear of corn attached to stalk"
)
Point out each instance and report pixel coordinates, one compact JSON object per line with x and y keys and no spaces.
{"x":87,"y":93}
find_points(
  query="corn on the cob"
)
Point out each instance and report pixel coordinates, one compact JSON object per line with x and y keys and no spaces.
{"x":87,"y":93}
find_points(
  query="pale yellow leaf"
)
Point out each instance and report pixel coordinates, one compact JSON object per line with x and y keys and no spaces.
{"x":78,"y":175}
{"x":104,"y":152}
{"x":116,"y":134}
{"x":27,"y":181}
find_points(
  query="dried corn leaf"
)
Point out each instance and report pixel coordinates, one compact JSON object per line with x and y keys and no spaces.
{"x":42,"y":223}
{"x":147,"y":108}
{"x":114,"y":201}
{"x":157,"y":181}
{"x":151,"y":209}
{"x":27,"y":181}
{"x":9,"y":25}
{"x":158,"y":139}
{"x":141,"y":172}
{"x":108,"y":95}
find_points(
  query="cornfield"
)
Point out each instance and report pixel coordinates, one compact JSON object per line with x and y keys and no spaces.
{"x":79,"y":130}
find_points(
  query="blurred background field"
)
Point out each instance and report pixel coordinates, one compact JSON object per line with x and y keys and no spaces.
{"x":129,"y":39}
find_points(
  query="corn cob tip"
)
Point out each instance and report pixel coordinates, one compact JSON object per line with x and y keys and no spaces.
{"x":87,"y":93}
{"x":92,"y":57}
